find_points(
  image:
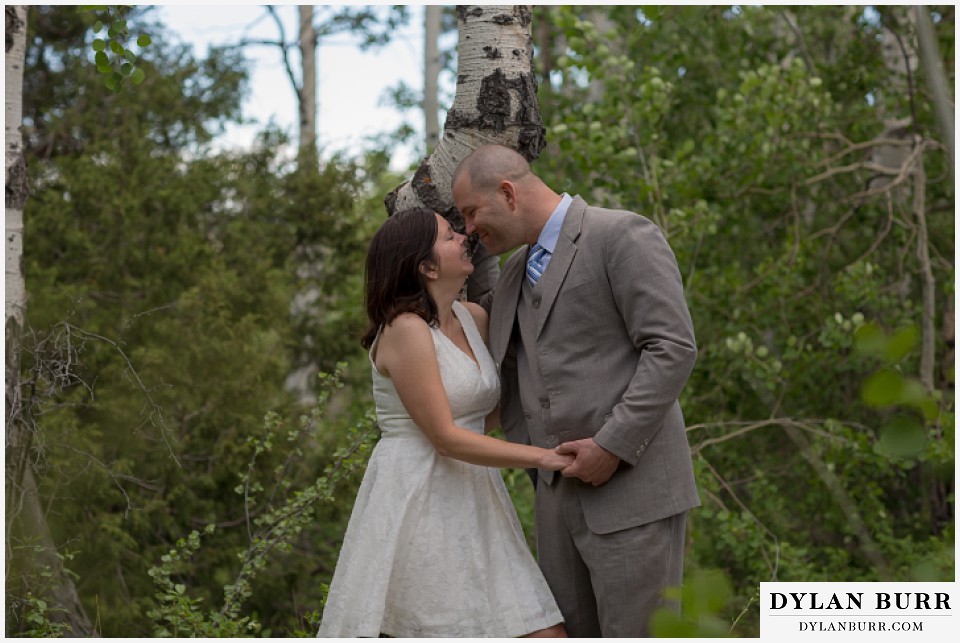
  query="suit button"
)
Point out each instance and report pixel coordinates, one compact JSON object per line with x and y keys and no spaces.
{"x":536,"y":303}
{"x":544,"y":404}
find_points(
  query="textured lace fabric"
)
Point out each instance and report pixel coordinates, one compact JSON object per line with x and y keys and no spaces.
{"x":433,"y":547}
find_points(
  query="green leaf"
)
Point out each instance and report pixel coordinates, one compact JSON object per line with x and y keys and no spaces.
{"x":902,"y":437}
{"x":126,"y":68}
{"x":144,"y":40}
{"x":116,"y":47}
{"x":870,"y":339}
{"x":97,"y":26}
{"x":129,"y":55}
{"x":114,"y":81}
{"x":902,"y":343}
{"x":101,"y":59}
{"x":99,"y":44}
{"x":883,"y":388}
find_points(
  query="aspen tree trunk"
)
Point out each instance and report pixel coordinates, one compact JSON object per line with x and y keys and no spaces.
{"x":308,"y":83}
{"x":496,"y":102}
{"x":900,"y":59}
{"x":936,"y":78}
{"x":431,"y":75}
{"x":16,"y":296}
{"x":27,"y":533}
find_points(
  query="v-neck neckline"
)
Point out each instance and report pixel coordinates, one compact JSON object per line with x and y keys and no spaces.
{"x":475,"y":359}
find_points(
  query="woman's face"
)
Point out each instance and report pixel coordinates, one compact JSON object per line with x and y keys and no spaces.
{"x":450,"y":251}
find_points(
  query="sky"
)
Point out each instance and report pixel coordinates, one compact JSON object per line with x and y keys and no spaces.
{"x":350,"y":83}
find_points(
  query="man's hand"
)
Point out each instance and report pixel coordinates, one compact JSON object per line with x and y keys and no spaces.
{"x":593,"y":463}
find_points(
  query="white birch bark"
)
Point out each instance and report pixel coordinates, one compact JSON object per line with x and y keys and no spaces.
{"x":16,"y":196}
{"x":16,"y":190}
{"x":496,"y":102}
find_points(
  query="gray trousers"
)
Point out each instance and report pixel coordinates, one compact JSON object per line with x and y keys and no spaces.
{"x":607,"y":585}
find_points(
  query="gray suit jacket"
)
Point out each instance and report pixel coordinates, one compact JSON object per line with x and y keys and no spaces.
{"x":615,"y":345}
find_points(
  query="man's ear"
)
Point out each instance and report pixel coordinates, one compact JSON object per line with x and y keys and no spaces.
{"x":509,"y":192}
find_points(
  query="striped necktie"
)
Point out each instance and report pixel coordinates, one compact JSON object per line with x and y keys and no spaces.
{"x":537,"y":263}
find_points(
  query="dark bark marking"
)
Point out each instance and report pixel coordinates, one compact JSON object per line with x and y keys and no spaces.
{"x":13,"y":25}
{"x":492,"y":52}
{"x":503,"y":19}
{"x":462,"y":78}
{"x":493,"y":101}
{"x":426,"y":190}
{"x":17,"y":188}
{"x":463,"y":12}
{"x":390,"y":201}
{"x":524,"y":14}
{"x":494,"y":107}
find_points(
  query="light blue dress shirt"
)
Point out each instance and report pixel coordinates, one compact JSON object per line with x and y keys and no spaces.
{"x":551,"y":230}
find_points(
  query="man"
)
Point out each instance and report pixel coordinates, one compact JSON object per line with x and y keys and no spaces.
{"x":594,"y":342}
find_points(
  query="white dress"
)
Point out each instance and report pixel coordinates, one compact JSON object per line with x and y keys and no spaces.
{"x":434,"y":547}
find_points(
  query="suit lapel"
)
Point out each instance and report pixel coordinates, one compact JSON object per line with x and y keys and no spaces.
{"x":505,"y":299}
{"x":561,"y":259}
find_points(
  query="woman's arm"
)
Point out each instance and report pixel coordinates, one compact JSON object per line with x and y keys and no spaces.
{"x":406,"y":354}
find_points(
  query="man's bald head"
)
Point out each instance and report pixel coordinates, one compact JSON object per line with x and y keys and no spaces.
{"x":500,"y":199}
{"x":488,"y":165}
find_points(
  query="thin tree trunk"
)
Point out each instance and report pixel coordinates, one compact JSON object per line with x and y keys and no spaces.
{"x":496,"y":102}
{"x":546,"y":41}
{"x":431,"y":75}
{"x":929,"y":287}
{"x":27,"y":533}
{"x":16,"y":295}
{"x":308,"y":84}
{"x":935,"y":77}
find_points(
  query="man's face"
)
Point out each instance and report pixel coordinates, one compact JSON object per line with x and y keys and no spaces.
{"x":488,"y":214}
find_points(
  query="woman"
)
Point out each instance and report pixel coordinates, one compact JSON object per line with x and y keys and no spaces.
{"x":434,"y":546}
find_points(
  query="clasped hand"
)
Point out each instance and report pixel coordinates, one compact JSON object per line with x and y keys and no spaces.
{"x":592,"y":463}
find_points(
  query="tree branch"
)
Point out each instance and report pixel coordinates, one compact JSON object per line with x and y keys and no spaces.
{"x":283,"y":49}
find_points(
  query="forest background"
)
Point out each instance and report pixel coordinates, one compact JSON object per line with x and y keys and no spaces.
{"x":177,"y":294}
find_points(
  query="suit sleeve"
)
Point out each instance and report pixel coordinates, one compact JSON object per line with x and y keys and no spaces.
{"x":647,"y":288}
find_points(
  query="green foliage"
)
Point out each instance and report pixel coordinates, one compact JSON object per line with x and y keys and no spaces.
{"x":819,"y":454}
{"x":289,"y":512}
{"x":160,"y":277}
{"x":703,"y":596}
{"x":39,"y":624}
{"x":112,"y":56}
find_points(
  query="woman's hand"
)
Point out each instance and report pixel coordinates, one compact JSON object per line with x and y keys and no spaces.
{"x":553,"y":461}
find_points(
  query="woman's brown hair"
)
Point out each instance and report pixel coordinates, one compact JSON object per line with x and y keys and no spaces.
{"x":393,"y":281}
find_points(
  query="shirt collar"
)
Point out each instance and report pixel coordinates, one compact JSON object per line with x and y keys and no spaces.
{"x":551,"y":231}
